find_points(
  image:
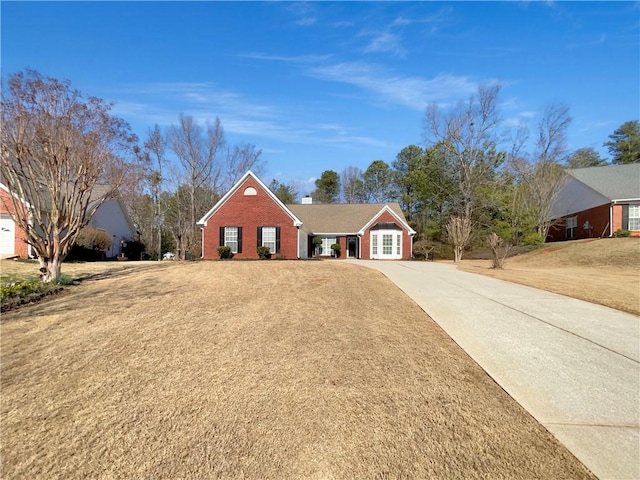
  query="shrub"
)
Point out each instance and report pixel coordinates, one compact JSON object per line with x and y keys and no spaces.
{"x":94,"y":239}
{"x":533,"y":239}
{"x":336,"y":249}
{"x":622,"y":233}
{"x":21,"y":289}
{"x":224,"y":252}
{"x":264,"y":253}
{"x":499,"y":249}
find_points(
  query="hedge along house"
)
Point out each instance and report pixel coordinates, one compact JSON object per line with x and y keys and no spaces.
{"x":249,"y":215}
{"x":597,"y":202}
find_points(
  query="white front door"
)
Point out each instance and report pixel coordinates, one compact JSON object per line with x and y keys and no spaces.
{"x":386,"y":244}
{"x":7,"y":236}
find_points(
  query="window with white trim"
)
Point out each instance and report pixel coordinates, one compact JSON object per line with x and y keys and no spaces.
{"x":634,"y":217}
{"x":571,"y":227}
{"x":231,"y":238}
{"x":374,"y":244}
{"x":326,"y":245}
{"x":387,"y":244}
{"x":269,"y":238}
{"x":399,"y":245}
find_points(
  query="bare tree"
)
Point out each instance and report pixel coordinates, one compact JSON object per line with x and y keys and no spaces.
{"x":499,"y":249}
{"x":239,"y":160}
{"x":467,"y":135}
{"x":459,"y":233}
{"x":62,"y":157}
{"x":156,"y":146}
{"x":541,"y":179}
{"x":197,"y":151}
{"x":352,"y":185}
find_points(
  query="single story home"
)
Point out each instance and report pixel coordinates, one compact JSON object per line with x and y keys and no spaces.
{"x":249,"y":215}
{"x":111,"y":217}
{"x":597,"y":202}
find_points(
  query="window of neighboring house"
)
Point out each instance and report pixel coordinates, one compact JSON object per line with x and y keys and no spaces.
{"x":634,"y":217}
{"x":326,"y":245}
{"x":374,"y":244}
{"x":231,"y":238}
{"x":571,"y":227}
{"x":269,"y":238}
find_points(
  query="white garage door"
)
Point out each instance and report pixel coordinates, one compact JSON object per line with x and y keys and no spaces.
{"x":7,"y":236}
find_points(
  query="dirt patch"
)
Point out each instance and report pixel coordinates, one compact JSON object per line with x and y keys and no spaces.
{"x":254,"y":370}
{"x":603,"y":271}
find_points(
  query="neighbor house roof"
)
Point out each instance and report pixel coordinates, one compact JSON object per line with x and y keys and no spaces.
{"x":342,"y":218}
{"x":616,"y":182}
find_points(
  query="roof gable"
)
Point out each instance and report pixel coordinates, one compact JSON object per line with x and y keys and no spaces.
{"x":203,"y":221}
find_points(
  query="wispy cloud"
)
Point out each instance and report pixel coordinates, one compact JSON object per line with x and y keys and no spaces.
{"x":386,"y":42}
{"x":161,"y":103}
{"x":303,"y":12}
{"x":412,"y":92}
{"x":590,"y":43}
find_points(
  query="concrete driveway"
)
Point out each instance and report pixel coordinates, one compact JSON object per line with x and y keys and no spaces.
{"x":575,"y":366}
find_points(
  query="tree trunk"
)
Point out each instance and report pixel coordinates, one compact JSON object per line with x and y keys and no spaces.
{"x":50,"y":269}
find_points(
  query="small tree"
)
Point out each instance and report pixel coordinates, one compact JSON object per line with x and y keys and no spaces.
{"x":336,"y":249}
{"x":499,"y":249}
{"x":62,"y":157}
{"x":459,"y":233}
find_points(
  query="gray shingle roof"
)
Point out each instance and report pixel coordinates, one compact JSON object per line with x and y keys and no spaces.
{"x":340,"y":217}
{"x":616,"y":182}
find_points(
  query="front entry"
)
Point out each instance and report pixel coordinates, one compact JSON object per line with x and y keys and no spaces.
{"x":352,"y":247}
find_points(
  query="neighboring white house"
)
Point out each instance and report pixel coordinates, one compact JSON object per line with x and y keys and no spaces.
{"x":111,"y":217}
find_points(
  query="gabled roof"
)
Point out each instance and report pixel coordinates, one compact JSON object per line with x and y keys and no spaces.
{"x":203,"y":221}
{"x":615,"y":182}
{"x":344,"y":218}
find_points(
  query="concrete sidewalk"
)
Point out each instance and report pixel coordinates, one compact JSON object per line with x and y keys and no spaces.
{"x":575,"y":366}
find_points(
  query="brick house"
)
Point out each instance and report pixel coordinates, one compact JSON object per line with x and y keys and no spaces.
{"x":249,"y":215}
{"x":596,"y":202}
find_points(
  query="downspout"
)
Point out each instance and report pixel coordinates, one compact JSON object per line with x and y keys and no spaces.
{"x":202,"y":249}
{"x":298,"y":243}
{"x":611,"y":218}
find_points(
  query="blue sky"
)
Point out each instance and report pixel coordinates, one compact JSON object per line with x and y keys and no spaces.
{"x":327,"y":85}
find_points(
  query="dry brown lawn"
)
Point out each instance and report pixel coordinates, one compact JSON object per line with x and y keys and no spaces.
{"x":253,"y":370}
{"x":604,"y":271}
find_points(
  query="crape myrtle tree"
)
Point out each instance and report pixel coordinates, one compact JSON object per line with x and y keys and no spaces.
{"x":62,"y":156}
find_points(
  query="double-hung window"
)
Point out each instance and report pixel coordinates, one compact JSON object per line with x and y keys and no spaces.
{"x":374,"y":244}
{"x":634,"y":217}
{"x":269,"y":238}
{"x":231,"y":237}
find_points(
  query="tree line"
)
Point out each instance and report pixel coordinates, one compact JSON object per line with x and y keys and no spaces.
{"x":472,"y":177}
{"x":459,"y":186}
